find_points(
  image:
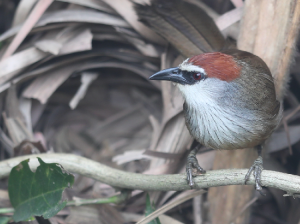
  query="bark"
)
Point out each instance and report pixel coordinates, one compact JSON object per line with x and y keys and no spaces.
{"x":136,"y":181}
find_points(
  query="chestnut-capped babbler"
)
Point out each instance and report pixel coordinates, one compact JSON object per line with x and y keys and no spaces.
{"x":230,"y":99}
{"x":230,"y":102}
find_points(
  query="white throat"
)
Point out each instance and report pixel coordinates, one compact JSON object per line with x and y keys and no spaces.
{"x":204,"y":91}
{"x":208,"y":121}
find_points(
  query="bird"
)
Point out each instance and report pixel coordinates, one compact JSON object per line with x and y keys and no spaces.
{"x":229,"y":95}
{"x":229,"y":103}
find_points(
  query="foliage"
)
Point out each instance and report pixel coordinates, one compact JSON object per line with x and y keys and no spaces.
{"x":4,"y":220}
{"x":149,"y":209}
{"x":39,"y":193}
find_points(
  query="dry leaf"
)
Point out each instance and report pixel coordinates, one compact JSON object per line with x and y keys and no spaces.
{"x":237,"y":3}
{"x":24,"y":8}
{"x":7,"y":143}
{"x":81,"y":41}
{"x":63,"y":16}
{"x":28,"y":147}
{"x":144,"y":47}
{"x":95,"y":4}
{"x":229,"y":18}
{"x":86,"y":79}
{"x":176,"y":201}
{"x":4,"y":199}
{"x":33,"y":17}
{"x":110,"y":215}
{"x":44,"y":86}
{"x":17,"y":130}
{"x":25,"y":108}
{"x":12,"y":65}
{"x":130,"y":156}
{"x":48,"y":46}
{"x":164,"y":219}
{"x":68,"y":40}
{"x":84,"y":214}
{"x":125,"y":9}
{"x":121,"y":124}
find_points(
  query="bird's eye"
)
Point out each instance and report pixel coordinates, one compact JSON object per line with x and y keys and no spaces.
{"x":197,"y":76}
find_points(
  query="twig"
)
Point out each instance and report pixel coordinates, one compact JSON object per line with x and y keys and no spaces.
{"x":176,"y":182}
{"x":116,"y":199}
{"x":6,"y":210}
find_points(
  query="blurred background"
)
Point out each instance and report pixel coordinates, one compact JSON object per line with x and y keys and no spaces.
{"x":78,"y":83}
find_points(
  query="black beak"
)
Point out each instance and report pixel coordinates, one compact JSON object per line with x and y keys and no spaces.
{"x":171,"y":74}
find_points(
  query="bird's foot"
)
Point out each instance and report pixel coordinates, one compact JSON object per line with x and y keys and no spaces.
{"x":191,"y":163}
{"x":257,"y":168}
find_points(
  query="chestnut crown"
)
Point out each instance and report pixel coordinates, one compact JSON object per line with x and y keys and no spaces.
{"x":209,"y":65}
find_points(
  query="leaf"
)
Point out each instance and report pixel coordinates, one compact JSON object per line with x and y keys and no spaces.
{"x":149,"y":209}
{"x":34,"y":16}
{"x":125,"y":9}
{"x":121,"y":53}
{"x":4,"y":220}
{"x":237,"y":3}
{"x":135,"y":39}
{"x":86,"y":80}
{"x":179,"y":200}
{"x":39,"y":193}
{"x":229,"y":18}
{"x":64,"y":16}
{"x":17,"y":130}
{"x":6,"y":142}
{"x":129,"y":156}
{"x":94,"y":4}
{"x":22,"y":11}
{"x":28,"y":147}
{"x":65,"y":41}
{"x":44,"y":86}
{"x":12,"y":65}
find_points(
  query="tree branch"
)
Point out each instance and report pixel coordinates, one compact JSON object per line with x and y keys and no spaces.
{"x":175,"y":182}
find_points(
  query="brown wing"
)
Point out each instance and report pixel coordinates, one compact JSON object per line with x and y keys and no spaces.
{"x":266,"y":98}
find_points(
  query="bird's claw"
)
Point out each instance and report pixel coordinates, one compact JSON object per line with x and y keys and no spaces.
{"x":257,"y":169}
{"x":192,"y":162}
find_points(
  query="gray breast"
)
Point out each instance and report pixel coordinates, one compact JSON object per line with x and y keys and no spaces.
{"x":228,"y":127}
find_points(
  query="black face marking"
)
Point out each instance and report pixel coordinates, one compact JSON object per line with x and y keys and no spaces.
{"x":179,"y":76}
{"x":193,"y":76}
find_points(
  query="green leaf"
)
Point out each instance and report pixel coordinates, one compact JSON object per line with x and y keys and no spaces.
{"x":149,"y":209}
{"x":4,"y":220}
{"x":39,"y":193}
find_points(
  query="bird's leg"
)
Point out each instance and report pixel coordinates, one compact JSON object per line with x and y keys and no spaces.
{"x":257,"y":168}
{"x":191,"y":163}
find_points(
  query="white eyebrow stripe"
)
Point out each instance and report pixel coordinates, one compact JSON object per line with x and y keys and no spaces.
{"x":185,"y":66}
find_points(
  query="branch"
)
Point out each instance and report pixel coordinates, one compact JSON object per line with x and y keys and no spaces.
{"x":119,"y":198}
{"x":175,"y":182}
